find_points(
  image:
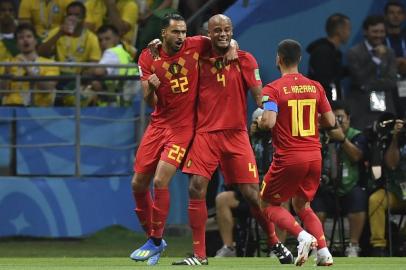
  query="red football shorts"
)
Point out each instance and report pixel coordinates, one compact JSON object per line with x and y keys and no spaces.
{"x":297,"y":180}
{"x":231,"y":149}
{"x":165,"y":144}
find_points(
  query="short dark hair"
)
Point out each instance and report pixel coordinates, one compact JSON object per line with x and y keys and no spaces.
{"x":170,"y":16}
{"x":23,"y":27}
{"x":340,"y":105}
{"x":10,"y":2}
{"x":334,"y":22}
{"x":372,"y":20}
{"x":393,"y":3}
{"x":289,"y":51}
{"x":79,"y":5}
{"x":106,"y":27}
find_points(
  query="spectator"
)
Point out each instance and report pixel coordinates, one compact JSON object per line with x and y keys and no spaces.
{"x":325,"y":63}
{"x":373,"y":74}
{"x":8,"y":24}
{"x":21,"y":95}
{"x":123,"y":14}
{"x":44,"y":15}
{"x":115,"y":52}
{"x":396,"y":39}
{"x":392,"y":197}
{"x":150,"y":21}
{"x":344,"y":191}
{"x":71,"y":42}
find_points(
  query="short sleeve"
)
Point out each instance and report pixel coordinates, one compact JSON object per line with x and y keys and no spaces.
{"x":324,"y":105}
{"x":250,"y":70}
{"x":270,"y":93}
{"x":145,"y":63}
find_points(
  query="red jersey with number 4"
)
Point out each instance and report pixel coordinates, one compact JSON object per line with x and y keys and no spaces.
{"x":295,"y":135}
{"x":179,"y":76}
{"x":223,"y":91}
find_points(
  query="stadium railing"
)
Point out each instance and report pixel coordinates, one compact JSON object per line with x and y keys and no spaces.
{"x":77,"y":116}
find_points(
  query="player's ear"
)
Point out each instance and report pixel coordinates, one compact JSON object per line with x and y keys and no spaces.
{"x":163,"y":33}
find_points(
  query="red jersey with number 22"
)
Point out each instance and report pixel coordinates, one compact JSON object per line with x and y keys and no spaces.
{"x":295,"y":135}
{"x":179,"y":76}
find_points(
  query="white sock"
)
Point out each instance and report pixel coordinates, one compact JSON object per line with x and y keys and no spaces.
{"x":323,"y":252}
{"x":303,"y":235}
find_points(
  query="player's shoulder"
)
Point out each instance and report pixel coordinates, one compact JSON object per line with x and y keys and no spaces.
{"x":145,"y":55}
{"x":245,"y":56}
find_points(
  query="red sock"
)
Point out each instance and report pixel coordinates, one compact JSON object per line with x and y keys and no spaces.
{"x":143,"y":209}
{"x":160,"y":211}
{"x":197,"y":220}
{"x":267,"y":226}
{"x":283,"y":219}
{"x":313,"y":226}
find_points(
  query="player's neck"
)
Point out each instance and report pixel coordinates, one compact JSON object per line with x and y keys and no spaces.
{"x":220,"y":51}
{"x":289,"y":70}
{"x":168,"y":50}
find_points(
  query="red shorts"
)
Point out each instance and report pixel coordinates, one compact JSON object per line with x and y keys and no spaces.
{"x":231,"y":149}
{"x":165,"y":144}
{"x":297,"y":180}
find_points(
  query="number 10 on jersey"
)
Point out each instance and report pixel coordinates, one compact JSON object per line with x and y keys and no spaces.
{"x":297,"y":107}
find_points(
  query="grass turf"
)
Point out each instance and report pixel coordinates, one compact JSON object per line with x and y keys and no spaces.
{"x":110,"y":248}
{"x":223,"y":263}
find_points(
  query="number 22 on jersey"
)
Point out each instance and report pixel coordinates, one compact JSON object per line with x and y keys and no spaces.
{"x":297,"y":107}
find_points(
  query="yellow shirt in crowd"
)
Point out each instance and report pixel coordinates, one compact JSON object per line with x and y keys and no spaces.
{"x":84,"y":48}
{"x":21,"y":90}
{"x":44,"y":16}
{"x":97,"y":15}
{"x":4,"y":53}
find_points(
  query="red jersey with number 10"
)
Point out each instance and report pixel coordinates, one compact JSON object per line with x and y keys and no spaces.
{"x":179,"y":76}
{"x":295,"y":135}
{"x":223,"y":92}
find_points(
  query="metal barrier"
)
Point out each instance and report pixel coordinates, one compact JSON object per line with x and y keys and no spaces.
{"x":77,"y":94}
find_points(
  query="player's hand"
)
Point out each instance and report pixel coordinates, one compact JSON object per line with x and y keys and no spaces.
{"x":153,"y":82}
{"x":232,"y":53}
{"x":153,"y":47}
{"x":336,"y":134}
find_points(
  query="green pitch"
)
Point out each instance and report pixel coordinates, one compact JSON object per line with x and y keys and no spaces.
{"x":110,"y":248}
{"x":224,"y":263}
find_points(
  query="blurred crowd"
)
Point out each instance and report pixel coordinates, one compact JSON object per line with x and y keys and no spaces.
{"x":94,"y":31}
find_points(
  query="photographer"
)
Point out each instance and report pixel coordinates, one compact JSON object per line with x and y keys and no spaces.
{"x":393,"y":195}
{"x":343,"y":195}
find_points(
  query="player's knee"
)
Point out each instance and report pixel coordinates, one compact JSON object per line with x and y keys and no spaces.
{"x":223,"y":199}
{"x":160,"y":182}
{"x":139,"y":183}
{"x":299,"y":204}
{"x":250,"y":194}
{"x":197,"y":189}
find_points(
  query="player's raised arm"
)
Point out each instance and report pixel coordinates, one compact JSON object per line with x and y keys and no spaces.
{"x":149,"y":88}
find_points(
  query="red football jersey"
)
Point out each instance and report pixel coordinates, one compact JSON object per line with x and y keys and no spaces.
{"x":223,"y":92}
{"x":179,"y":78}
{"x":295,"y":135}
